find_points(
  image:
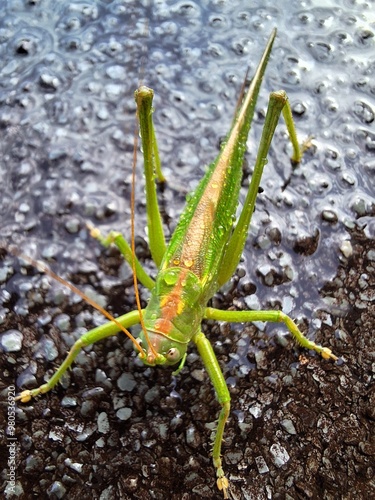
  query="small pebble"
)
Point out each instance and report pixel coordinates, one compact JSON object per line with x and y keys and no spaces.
{"x":329,"y":216}
{"x":103,"y":423}
{"x":11,"y":341}
{"x":124,"y":413}
{"x":261,"y":465}
{"x":126,"y":382}
{"x":280,"y":455}
{"x":346,"y":248}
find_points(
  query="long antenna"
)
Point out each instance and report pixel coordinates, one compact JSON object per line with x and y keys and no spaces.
{"x":46,"y":270}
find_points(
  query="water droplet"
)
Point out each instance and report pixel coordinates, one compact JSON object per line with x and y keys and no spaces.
{"x":170,"y":277}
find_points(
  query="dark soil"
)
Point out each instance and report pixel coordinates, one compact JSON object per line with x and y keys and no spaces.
{"x":300,"y":427}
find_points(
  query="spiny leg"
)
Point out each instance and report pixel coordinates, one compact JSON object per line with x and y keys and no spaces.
{"x":217,"y":378}
{"x":99,"y":333}
{"x":274,"y":317}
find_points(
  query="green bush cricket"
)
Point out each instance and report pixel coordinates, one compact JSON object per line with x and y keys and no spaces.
{"x":201,"y":256}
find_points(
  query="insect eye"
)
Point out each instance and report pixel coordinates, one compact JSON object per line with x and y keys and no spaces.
{"x":173,"y":354}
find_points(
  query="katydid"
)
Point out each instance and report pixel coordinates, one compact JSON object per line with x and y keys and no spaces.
{"x":201,"y":256}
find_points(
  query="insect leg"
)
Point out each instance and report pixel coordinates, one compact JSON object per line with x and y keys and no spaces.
{"x":118,"y":239}
{"x":143,"y":98}
{"x":217,"y":378}
{"x":99,"y":333}
{"x":278,"y":103}
{"x":274,"y":317}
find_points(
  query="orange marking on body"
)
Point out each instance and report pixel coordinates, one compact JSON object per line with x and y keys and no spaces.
{"x":163,"y":325}
{"x":171,"y":305}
